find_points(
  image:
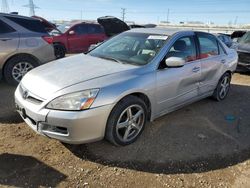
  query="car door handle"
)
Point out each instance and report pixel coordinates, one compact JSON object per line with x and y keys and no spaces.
{"x":223,"y":61}
{"x":196,"y":69}
{"x":5,"y":39}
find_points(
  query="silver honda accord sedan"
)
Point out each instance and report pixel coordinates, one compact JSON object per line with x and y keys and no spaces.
{"x":135,"y":77}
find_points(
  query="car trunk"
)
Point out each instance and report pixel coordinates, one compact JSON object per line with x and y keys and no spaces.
{"x":112,"y":25}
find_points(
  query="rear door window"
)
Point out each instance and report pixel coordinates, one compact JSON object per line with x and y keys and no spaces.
{"x":30,"y":24}
{"x":81,"y":29}
{"x":5,"y":28}
{"x":208,"y":45}
{"x":95,"y":29}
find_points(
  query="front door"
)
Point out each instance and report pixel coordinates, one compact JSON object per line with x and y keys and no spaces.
{"x":177,"y":86}
{"x":78,"y":39}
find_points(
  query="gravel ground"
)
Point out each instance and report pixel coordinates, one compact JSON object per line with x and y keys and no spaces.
{"x":206,"y":144}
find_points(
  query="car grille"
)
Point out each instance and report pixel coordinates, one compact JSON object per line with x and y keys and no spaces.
{"x":244,"y":57}
{"x":26,"y":95}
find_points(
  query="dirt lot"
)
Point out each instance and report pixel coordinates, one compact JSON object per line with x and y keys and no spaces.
{"x":206,"y":144}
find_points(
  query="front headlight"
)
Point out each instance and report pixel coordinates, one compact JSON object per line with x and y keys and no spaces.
{"x":74,"y":101}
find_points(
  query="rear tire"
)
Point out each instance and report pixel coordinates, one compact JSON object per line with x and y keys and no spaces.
{"x":60,"y":51}
{"x":223,"y":87}
{"x":126,"y":121}
{"x":17,"y":67}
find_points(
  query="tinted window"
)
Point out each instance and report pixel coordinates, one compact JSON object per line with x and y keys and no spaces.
{"x":81,"y":29}
{"x":4,"y":28}
{"x":30,"y":24}
{"x":95,"y":29}
{"x":208,"y":46}
{"x":184,"y":48}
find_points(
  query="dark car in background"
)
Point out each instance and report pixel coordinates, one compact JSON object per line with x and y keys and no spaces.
{"x":236,"y":35}
{"x":244,"y":52}
{"x":24,"y":44}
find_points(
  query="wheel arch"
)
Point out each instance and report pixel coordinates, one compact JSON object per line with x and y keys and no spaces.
{"x":140,"y":95}
{"x":16,"y":55}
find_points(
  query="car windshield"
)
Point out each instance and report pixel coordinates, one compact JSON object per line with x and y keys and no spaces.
{"x":63,"y":28}
{"x":245,"y":38}
{"x":132,"y":48}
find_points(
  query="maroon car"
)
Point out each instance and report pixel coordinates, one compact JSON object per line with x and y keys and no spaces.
{"x":75,"y":37}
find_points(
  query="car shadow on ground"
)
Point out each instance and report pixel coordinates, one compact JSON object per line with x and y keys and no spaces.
{"x":26,"y":171}
{"x":201,"y":137}
{"x":8,"y":113}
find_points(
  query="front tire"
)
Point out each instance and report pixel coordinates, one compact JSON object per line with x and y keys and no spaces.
{"x":17,"y":67}
{"x":126,"y":121}
{"x":223,"y":87}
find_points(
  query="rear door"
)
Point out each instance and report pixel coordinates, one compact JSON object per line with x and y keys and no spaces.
{"x":9,"y":40}
{"x":177,"y":86}
{"x":96,"y":34}
{"x":213,"y":58}
{"x":78,"y":38}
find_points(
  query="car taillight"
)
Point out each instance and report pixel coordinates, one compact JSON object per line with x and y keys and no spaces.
{"x":49,"y":40}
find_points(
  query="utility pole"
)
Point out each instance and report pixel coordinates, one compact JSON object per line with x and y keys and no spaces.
{"x":32,"y":7}
{"x":5,"y":7}
{"x":168,"y":16}
{"x":123,"y":14}
{"x":236,"y":20}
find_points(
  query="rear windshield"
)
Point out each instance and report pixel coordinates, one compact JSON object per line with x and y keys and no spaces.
{"x":30,"y":24}
{"x":64,"y":27}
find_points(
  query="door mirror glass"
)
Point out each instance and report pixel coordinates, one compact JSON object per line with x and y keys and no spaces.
{"x":175,"y":62}
{"x":71,"y":32}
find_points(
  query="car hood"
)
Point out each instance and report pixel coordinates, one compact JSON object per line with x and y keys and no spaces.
{"x":112,"y":25}
{"x":50,"y":78}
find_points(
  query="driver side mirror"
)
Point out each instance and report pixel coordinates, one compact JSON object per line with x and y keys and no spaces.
{"x":175,"y":62}
{"x":71,"y":32}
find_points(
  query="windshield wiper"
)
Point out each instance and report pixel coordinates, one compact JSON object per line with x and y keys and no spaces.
{"x":112,"y":59}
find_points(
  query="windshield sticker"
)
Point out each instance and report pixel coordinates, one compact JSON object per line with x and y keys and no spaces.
{"x":158,"y":37}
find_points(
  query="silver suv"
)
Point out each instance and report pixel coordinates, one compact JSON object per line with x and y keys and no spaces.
{"x":24,"y":44}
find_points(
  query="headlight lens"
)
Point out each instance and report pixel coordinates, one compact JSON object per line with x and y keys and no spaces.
{"x":74,"y":101}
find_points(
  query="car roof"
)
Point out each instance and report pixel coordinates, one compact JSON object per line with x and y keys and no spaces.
{"x":159,"y":31}
{"x":17,"y":16}
{"x":72,"y":23}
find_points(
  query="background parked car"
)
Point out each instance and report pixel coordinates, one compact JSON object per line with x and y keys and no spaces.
{"x":236,"y":35}
{"x":244,"y":52}
{"x":112,"y":25}
{"x":24,"y":44}
{"x":77,"y":37}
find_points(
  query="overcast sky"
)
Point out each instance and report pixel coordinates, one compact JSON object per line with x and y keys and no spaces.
{"x":142,"y":11}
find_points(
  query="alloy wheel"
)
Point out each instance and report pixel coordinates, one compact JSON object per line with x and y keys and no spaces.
{"x":130,"y":123}
{"x":224,"y":87}
{"x":20,"y":69}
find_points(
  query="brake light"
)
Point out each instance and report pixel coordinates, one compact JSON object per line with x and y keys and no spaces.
{"x":49,"y":40}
